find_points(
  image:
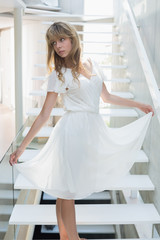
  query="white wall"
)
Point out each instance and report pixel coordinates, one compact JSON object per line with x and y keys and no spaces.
{"x":7,"y":65}
{"x":148,"y":18}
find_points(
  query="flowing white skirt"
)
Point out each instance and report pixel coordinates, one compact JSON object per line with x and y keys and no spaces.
{"x":83,"y":155}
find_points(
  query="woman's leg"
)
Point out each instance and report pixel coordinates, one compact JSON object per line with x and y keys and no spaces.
{"x":69,"y":219}
{"x":62,"y":230}
{"x":65,"y":211}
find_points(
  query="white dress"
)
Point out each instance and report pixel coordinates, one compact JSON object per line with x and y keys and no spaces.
{"x":83,"y":155}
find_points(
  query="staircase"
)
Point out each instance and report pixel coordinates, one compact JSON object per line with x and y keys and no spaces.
{"x":101,"y":215}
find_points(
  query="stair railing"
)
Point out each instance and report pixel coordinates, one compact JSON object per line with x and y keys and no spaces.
{"x":146,"y":66}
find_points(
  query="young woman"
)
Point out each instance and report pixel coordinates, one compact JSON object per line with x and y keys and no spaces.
{"x":82,"y":154}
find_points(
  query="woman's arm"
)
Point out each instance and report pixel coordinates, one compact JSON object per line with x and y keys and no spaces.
{"x":36,"y":126}
{"x":110,"y":98}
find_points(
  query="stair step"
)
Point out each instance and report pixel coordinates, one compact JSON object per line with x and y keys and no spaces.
{"x":93,"y":42}
{"x":121,"y":54}
{"x":113,"y":66}
{"x":87,"y":231}
{"x":84,"y":23}
{"x":108,"y":18}
{"x":103,"y":197}
{"x":29,"y":153}
{"x":43,"y":132}
{"x":142,"y":157}
{"x":103,"y":33}
{"x":121,"y":94}
{"x":90,"y":229}
{"x":87,"y":214}
{"x":84,"y":32}
{"x":119,"y":80}
{"x":6,"y":186}
{"x":6,"y":196}
{"x":46,"y":131}
{"x":54,"y":112}
{"x":5,"y":209}
{"x":3,"y":226}
{"x":99,"y":42}
{"x":118,"y":112}
{"x":41,"y":65}
{"x":41,"y":7}
{"x":104,"y":112}
{"x":5,"y":212}
{"x":95,"y":196}
{"x":130,"y":182}
{"x":104,"y":53}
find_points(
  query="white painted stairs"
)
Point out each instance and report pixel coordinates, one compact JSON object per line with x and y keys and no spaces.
{"x":133,"y":212}
{"x":107,"y":214}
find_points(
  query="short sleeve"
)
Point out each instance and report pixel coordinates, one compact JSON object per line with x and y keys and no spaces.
{"x":54,"y":84}
{"x":98,"y":70}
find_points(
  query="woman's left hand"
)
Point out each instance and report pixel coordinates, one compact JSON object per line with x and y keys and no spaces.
{"x":146,"y":108}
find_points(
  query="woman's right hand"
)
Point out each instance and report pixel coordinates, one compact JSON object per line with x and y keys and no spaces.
{"x":15,"y":155}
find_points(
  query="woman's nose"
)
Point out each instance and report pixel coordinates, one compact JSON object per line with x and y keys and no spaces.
{"x":59,"y":44}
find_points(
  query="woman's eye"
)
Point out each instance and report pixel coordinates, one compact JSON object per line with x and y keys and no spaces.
{"x":53,"y":43}
{"x":62,"y":39}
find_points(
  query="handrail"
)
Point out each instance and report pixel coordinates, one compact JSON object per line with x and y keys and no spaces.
{"x":151,"y":81}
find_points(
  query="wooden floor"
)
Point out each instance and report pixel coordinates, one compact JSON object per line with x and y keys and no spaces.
{"x":7,"y":128}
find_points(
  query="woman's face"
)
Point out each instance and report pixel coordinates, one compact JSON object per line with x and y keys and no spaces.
{"x":62,"y":46}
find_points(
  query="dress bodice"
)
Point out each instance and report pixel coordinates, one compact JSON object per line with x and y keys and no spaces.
{"x":84,"y":96}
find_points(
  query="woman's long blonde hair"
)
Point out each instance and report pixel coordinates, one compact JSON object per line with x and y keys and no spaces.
{"x":62,"y":30}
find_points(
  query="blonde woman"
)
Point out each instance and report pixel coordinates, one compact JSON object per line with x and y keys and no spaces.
{"x":82,"y":154}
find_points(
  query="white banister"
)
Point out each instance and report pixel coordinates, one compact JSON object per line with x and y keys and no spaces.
{"x":147,"y":69}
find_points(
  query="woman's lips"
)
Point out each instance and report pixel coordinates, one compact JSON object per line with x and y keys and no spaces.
{"x":61,"y":52}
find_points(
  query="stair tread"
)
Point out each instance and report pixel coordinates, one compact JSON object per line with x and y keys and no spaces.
{"x":133,"y":182}
{"x":43,"y":132}
{"x":87,"y":214}
{"x":105,"y":53}
{"x":29,"y":153}
{"x":43,"y":7}
{"x":100,"y":42}
{"x":43,"y":93}
{"x":95,"y":196}
{"x":126,"y":80}
{"x":43,"y":65}
{"x":113,"y":66}
{"x":84,"y":23}
{"x":123,"y":80}
{"x":123,"y":94}
{"x":46,"y":131}
{"x":6,"y":209}
{"x":128,"y":112}
{"x":92,"y":53}
{"x":3,"y":226}
{"x":86,"y":32}
{"x":85,"y":229}
{"x":94,"y":42}
{"x":8,"y":194}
